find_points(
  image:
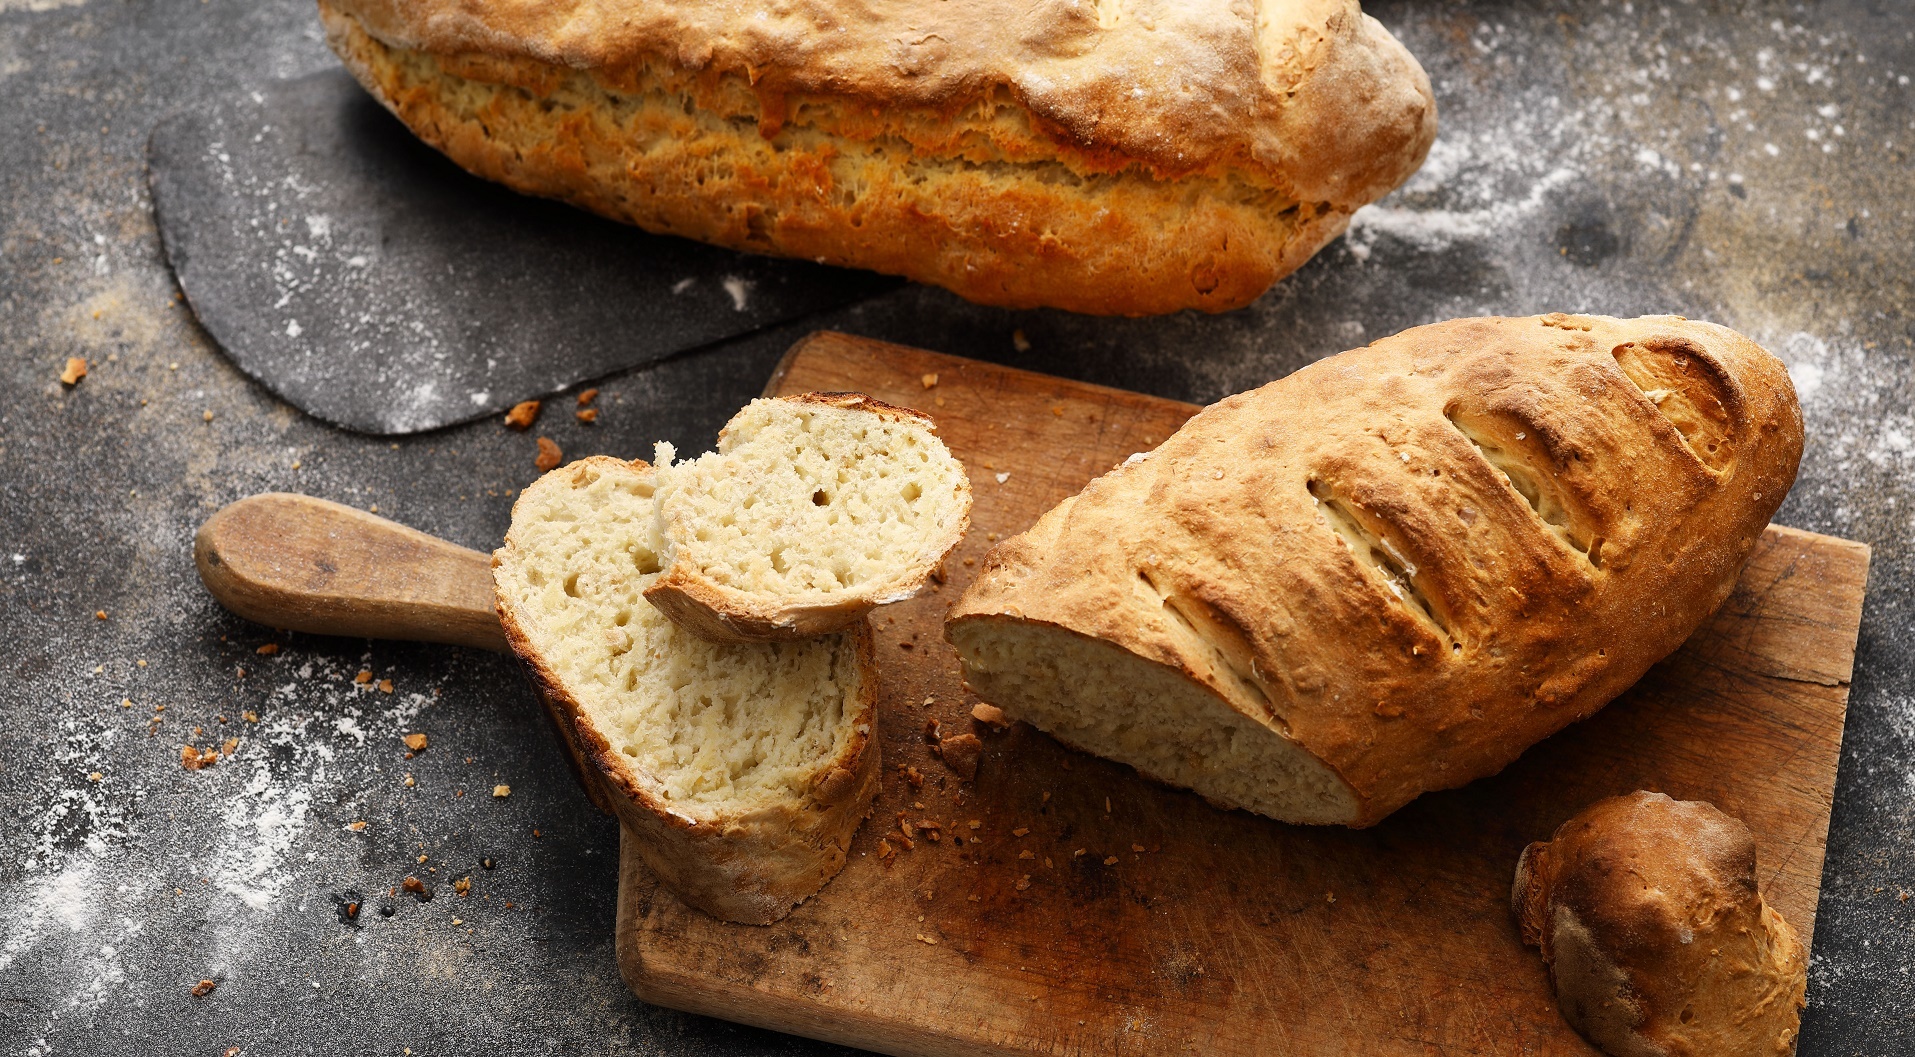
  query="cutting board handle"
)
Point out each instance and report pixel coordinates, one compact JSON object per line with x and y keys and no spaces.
{"x":293,"y":561}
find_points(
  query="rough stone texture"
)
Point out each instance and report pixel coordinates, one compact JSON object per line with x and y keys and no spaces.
{"x":360,"y":275}
{"x":1746,"y":162}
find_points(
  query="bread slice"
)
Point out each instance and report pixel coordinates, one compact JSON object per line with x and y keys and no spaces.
{"x":741,"y":770}
{"x":813,"y":510}
{"x":1396,"y":569}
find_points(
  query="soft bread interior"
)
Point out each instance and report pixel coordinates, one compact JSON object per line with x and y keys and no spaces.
{"x":708,"y":729}
{"x":808,"y":503}
{"x":1112,"y":703}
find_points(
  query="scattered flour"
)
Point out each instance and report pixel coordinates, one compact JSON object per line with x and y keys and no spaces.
{"x":740,"y":291}
{"x":100,"y":854}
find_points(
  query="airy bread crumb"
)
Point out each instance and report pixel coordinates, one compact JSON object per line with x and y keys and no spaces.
{"x":742,"y":770}
{"x":813,"y":510}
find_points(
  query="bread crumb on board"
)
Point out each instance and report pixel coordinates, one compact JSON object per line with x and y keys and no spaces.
{"x":961,"y":754}
{"x":990,"y":715}
{"x":523,"y":414}
{"x":929,"y":380}
{"x":75,"y":370}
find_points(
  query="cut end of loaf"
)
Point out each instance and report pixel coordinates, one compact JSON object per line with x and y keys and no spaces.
{"x":1108,"y":701}
{"x":814,"y":509}
{"x":742,"y":769}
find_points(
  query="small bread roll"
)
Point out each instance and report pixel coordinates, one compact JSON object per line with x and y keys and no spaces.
{"x":1657,"y":942}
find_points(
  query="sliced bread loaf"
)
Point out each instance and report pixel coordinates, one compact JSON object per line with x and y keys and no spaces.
{"x":1396,"y":569}
{"x":741,"y":770}
{"x":813,"y":510}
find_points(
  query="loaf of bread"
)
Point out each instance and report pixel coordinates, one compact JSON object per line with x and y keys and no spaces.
{"x":1107,"y":156}
{"x":1657,"y":941}
{"x":1394,"y":570}
{"x":813,"y":510}
{"x":741,"y":771}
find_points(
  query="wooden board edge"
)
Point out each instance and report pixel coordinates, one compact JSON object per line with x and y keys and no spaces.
{"x":1865,"y":551}
{"x":783,"y":366}
{"x":1859,"y":557}
{"x":785,"y":1014}
{"x":817,"y":342}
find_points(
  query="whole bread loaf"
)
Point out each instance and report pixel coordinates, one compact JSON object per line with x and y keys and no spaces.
{"x":1657,"y":940}
{"x":1394,"y":570}
{"x":740,"y":771}
{"x":1108,"y":156}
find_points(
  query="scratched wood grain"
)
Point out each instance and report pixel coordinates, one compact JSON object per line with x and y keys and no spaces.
{"x":1131,"y":919}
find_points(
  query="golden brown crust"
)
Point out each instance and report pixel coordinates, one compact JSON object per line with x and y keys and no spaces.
{"x":751,"y":868}
{"x":1658,"y":942}
{"x":1498,"y":629}
{"x":721,"y":613}
{"x":1109,"y":158}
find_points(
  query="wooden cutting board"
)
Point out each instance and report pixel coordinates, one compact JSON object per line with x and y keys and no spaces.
{"x":1067,"y":906}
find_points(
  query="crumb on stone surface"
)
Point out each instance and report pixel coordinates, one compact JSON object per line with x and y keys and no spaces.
{"x":523,"y":414}
{"x":192,"y":759}
{"x":586,"y":416}
{"x":204,"y":988}
{"x":416,"y":742}
{"x":549,"y":455}
{"x":501,"y":790}
{"x":75,"y":370}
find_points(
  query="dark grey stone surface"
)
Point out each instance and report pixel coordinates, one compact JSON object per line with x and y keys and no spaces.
{"x":361,"y":276}
{"x":1746,"y":162}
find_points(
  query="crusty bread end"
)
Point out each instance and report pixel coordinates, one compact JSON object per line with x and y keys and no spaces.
{"x":1657,"y":939}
